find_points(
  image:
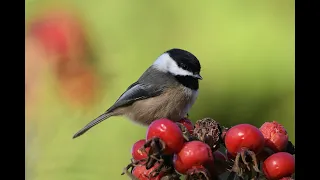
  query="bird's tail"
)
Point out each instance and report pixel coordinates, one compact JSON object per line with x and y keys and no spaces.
{"x":94,"y":122}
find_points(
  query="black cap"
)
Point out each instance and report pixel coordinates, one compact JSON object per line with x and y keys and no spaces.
{"x":185,"y":60}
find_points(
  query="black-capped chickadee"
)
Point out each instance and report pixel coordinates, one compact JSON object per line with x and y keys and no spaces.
{"x":167,"y":89}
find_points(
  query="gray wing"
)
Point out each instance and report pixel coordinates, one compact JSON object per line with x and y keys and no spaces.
{"x":136,"y":92}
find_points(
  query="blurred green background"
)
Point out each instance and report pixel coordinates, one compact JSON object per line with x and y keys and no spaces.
{"x":246,"y":49}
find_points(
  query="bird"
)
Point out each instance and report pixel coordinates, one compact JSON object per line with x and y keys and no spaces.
{"x":167,"y":89}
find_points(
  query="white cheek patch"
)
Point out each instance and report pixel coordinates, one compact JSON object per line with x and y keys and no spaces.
{"x":165,"y":63}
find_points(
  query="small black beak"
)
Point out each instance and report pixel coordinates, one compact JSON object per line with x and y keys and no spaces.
{"x":198,"y":76}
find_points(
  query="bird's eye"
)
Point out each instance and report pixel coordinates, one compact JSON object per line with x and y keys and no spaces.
{"x":184,"y":66}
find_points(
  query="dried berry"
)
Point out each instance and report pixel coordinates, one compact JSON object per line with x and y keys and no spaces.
{"x":208,"y":131}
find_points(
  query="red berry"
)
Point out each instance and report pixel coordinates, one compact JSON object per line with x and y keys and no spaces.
{"x":136,"y":154}
{"x":193,"y":153}
{"x":142,"y":173}
{"x":169,"y":132}
{"x":279,"y":165}
{"x":244,"y":136}
{"x":188,"y":124}
{"x":275,"y":135}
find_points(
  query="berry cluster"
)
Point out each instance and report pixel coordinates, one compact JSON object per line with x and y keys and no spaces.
{"x":207,"y":151}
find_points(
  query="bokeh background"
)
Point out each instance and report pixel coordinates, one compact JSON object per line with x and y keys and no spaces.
{"x":81,"y":55}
